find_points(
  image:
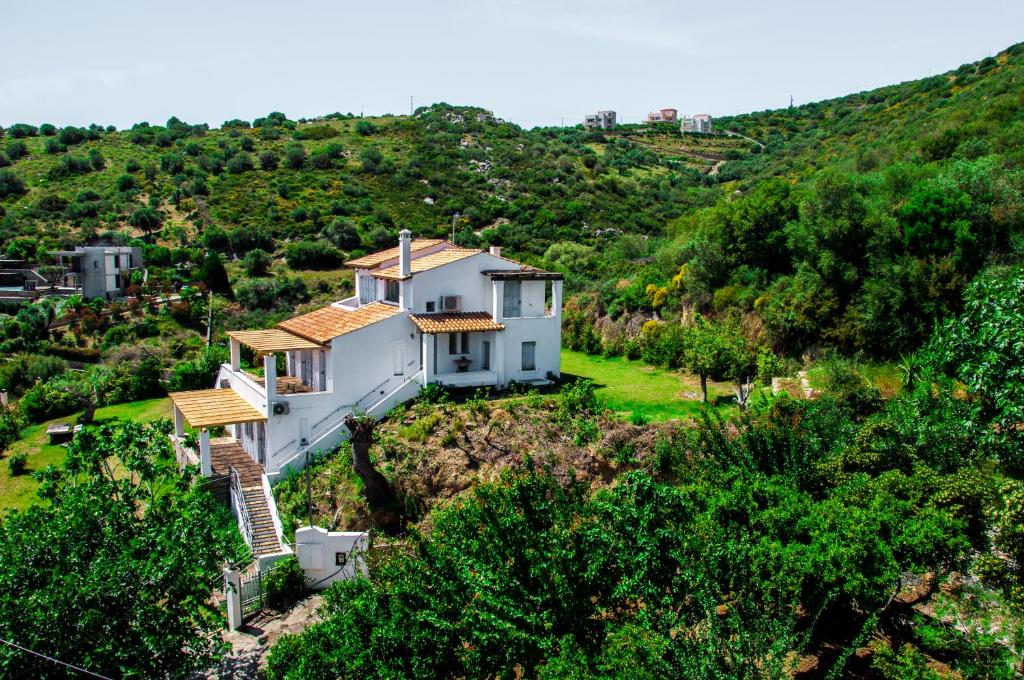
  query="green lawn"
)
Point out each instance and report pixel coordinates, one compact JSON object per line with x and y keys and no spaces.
{"x":19,"y":492}
{"x":629,"y":387}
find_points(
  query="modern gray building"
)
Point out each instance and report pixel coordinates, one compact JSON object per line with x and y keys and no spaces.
{"x":698,"y":123}
{"x":602,"y":120}
{"x":98,"y":271}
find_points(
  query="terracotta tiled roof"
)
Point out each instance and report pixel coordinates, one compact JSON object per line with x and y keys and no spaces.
{"x":213,"y":408}
{"x":272,"y":340}
{"x":374,"y":259}
{"x":456,"y":322}
{"x":422,"y":264}
{"x":327,"y":323}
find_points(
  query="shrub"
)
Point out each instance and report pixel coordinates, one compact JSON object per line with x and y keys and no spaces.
{"x":10,"y":184}
{"x":315,"y":132}
{"x":46,"y":400}
{"x":96,"y":160}
{"x":198,"y":373}
{"x":16,"y":149}
{"x":285,"y":584}
{"x":47,"y":130}
{"x":172,"y":163}
{"x":365,"y":128}
{"x":10,"y":426}
{"x":269,"y":160}
{"x":19,"y":130}
{"x":257,"y":262}
{"x":71,"y":136}
{"x":69,"y":165}
{"x":342,"y":234}
{"x":240,"y":163}
{"x":17,"y":463}
{"x":312,"y":255}
{"x":4,"y":160}
{"x":270,"y":293}
{"x":124,"y":182}
{"x":295,"y":156}
{"x":244,"y":239}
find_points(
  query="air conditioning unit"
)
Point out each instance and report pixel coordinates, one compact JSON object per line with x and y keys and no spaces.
{"x":451,"y":303}
{"x":280,"y":408}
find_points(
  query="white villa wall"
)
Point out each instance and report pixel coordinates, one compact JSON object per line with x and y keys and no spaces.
{"x":317,"y":550}
{"x":461,"y":277}
{"x":545,"y":332}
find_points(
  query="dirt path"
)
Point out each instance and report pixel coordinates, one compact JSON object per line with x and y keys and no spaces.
{"x":251,"y":644}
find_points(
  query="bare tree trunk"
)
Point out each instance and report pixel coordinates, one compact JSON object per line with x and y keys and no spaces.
{"x":703,"y":388}
{"x":379,"y":494}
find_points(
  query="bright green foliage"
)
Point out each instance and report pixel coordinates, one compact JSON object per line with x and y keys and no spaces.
{"x":114,"y":573}
{"x":646,"y":579}
{"x":982,"y":349}
{"x":285,"y":584}
{"x":198,"y":373}
{"x":312,"y":255}
{"x":257,"y":262}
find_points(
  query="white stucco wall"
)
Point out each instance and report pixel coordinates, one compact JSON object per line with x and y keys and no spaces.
{"x":321,"y":552}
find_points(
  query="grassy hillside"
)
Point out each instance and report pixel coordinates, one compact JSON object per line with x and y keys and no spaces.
{"x":971,"y":111}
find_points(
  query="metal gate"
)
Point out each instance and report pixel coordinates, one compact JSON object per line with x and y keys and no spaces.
{"x":251,"y":594}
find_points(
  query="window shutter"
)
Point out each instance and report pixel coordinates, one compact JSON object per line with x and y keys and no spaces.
{"x":511,"y":299}
{"x":529,"y":356}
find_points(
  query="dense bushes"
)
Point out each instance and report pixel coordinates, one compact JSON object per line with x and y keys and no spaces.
{"x":266,"y":294}
{"x":199,"y":373}
{"x":285,"y":584}
{"x":312,"y":255}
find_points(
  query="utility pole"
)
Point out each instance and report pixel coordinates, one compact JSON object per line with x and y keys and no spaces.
{"x":410,"y":105}
{"x":309,"y":493}
{"x":455,"y":217}
{"x":209,"y":318}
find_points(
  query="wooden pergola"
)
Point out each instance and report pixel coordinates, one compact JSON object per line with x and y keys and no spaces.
{"x":203,"y":409}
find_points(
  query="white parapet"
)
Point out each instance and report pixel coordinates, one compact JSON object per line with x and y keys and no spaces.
{"x":329,"y":556}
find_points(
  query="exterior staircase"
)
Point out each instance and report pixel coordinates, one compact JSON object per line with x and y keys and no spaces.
{"x":227,"y":454}
{"x":264,"y":535}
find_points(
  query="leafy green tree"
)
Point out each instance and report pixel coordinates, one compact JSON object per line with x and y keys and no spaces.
{"x":147,"y":219}
{"x":312,"y":255}
{"x":214,"y":275}
{"x":113,"y":573}
{"x":342,"y":234}
{"x":257,"y":262}
{"x":715,"y":350}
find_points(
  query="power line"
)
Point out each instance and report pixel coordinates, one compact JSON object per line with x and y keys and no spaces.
{"x":53,"y":660}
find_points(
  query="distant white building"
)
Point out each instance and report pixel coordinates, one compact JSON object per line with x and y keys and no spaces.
{"x":602,"y":120}
{"x":699,"y":123}
{"x":99,"y":271}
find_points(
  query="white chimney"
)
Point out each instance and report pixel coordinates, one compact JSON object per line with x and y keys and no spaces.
{"x":496,"y":251}
{"x":404,"y":252}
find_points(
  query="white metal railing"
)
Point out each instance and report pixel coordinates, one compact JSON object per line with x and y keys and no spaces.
{"x":238,"y":503}
{"x":339,"y":422}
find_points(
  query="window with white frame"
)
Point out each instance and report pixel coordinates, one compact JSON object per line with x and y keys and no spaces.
{"x":530,"y":356}
{"x":367,"y":289}
{"x":391,"y":294}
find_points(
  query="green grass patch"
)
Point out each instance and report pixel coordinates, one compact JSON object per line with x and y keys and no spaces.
{"x":632,"y":387}
{"x":20,"y":491}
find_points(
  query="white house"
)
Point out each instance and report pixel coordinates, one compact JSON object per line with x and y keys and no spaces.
{"x":424,"y":312}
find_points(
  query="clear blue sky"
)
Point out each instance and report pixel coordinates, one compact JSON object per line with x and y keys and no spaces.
{"x":532,"y":61}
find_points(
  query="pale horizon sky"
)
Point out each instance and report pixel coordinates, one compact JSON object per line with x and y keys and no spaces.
{"x":532,"y":62}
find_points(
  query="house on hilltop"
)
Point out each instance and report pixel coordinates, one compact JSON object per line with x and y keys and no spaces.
{"x":425,"y":312}
{"x":699,"y":123}
{"x":663,"y":116}
{"x":602,"y":120}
